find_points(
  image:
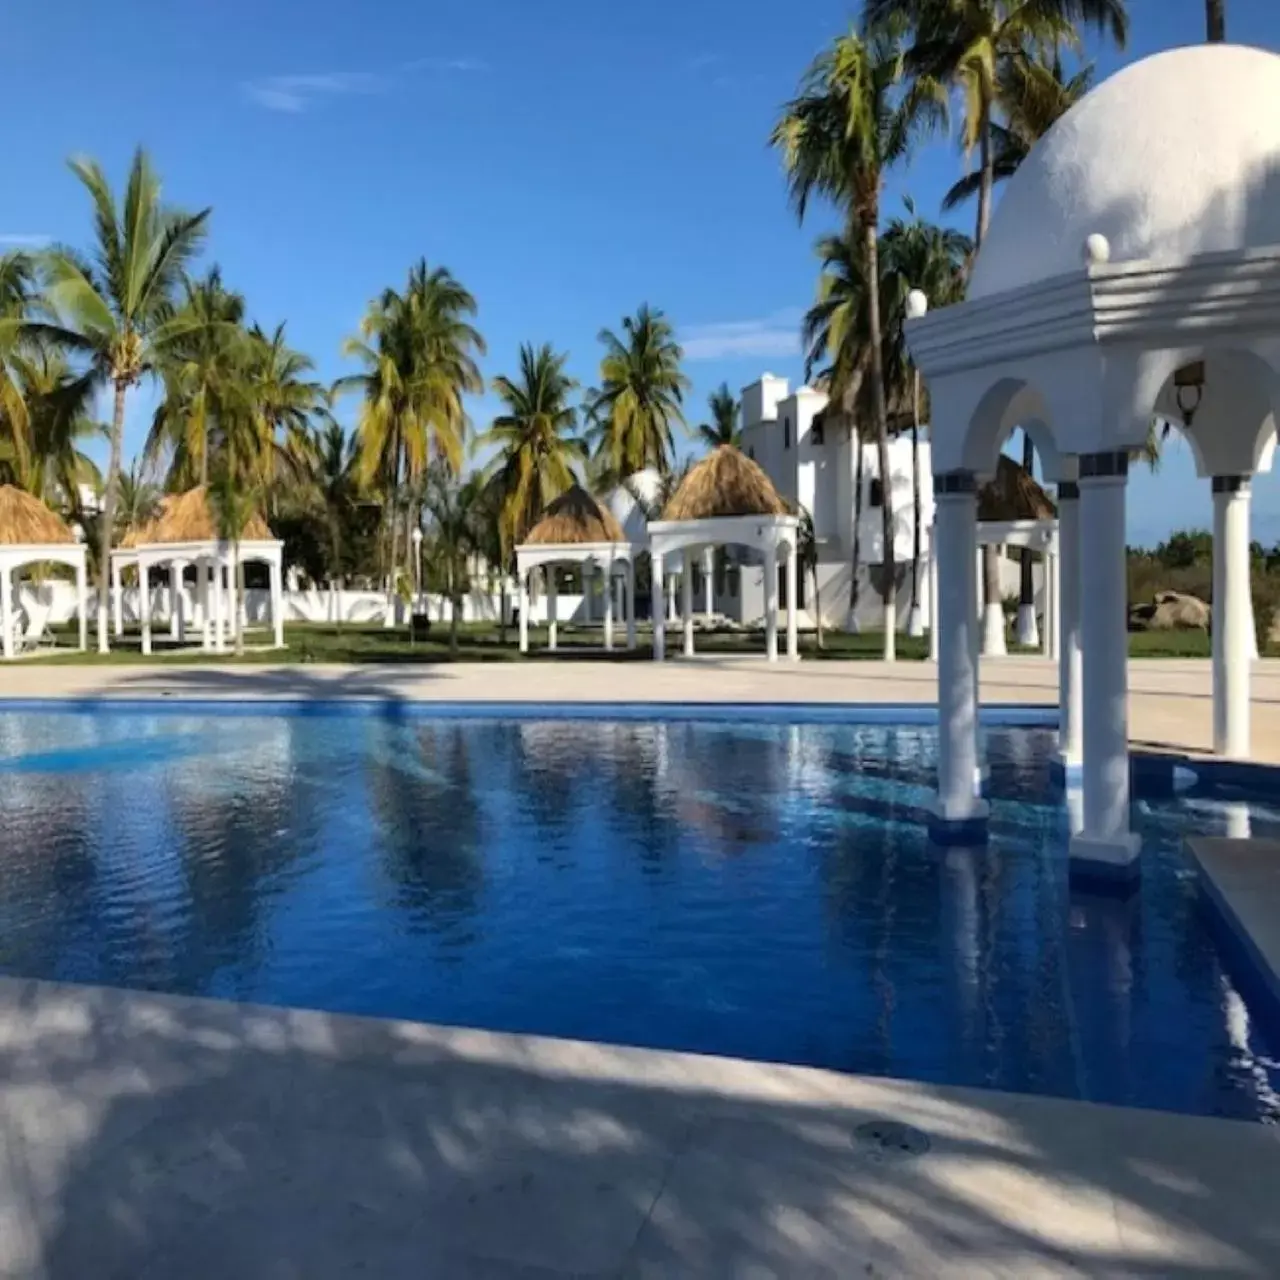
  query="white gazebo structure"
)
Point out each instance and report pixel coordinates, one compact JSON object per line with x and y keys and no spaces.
{"x":576,"y":529}
{"x":1132,"y":271}
{"x":726,"y":500}
{"x":186,"y":533}
{"x":32,"y":534}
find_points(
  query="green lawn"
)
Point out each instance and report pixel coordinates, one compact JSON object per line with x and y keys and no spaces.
{"x":479,"y":642}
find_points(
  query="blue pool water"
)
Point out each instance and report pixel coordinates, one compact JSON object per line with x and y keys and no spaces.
{"x":744,"y":887}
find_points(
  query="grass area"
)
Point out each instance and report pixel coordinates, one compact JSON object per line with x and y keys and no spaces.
{"x":481,"y":642}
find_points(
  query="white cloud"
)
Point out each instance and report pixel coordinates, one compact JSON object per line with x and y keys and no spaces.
{"x":298,"y":92}
{"x":460,"y":65}
{"x":774,"y":335}
{"x":16,"y":240}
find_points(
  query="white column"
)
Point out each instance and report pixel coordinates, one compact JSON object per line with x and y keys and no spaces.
{"x":1070,"y":669}
{"x":175,"y":599}
{"x":6,"y":612}
{"x":588,"y":582}
{"x":206,"y":612}
{"x":219,"y":601}
{"x":793,"y":611}
{"x":686,"y":600}
{"x":82,"y":603}
{"x":144,"y":603}
{"x":933,"y":594}
{"x":771,"y":603}
{"x":608,"y":604}
{"x":671,"y":598}
{"x":277,"y":601}
{"x":1050,"y":637}
{"x":1106,"y":845}
{"x":1231,"y":596}
{"x":552,"y":602}
{"x":709,"y":582}
{"x":956,"y":626}
{"x":524,"y":609}
{"x":117,"y":598}
{"x":993,"y":641}
{"x":629,"y":602}
{"x":659,"y":624}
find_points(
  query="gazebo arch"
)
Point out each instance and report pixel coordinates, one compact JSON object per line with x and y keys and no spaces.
{"x":576,"y":529}
{"x":186,"y":533}
{"x":32,"y":534}
{"x":1122,"y":297}
{"x":726,"y":500}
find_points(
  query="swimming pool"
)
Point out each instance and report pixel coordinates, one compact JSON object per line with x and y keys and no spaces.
{"x":745,"y":882}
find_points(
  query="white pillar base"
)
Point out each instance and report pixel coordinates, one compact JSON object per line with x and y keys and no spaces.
{"x":1028,"y":631}
{"x":961,"y":822}
{"x":993,"y":643}
{"x":1108,"y":859}
{"x":915,"y":622}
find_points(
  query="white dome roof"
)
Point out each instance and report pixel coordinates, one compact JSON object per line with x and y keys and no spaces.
{"x":1176,"y":155}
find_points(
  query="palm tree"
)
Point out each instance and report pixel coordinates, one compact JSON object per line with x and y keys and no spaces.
{"x":1215,"y":13}
{"x":851,"y":122}
{"x":17,"y":288}
{"x":118,"y":309}
{"x":969,"y":44}
{"x":807,"y":554}
{"x":58,"y":404}
{"x":915,"y":254}
{"x":538,"y":449}
{"x":286,"y":405}
{"x":641,"y":395}
{"x":1032,"y":94}
{"x":724,"y":426}
{"x":137,"y":502}
{"x":232,"y":494}
{"x":196,"y":374}
{"x":452,"y":508}
{"x":419,"y":353}
{"x":331,"y":477}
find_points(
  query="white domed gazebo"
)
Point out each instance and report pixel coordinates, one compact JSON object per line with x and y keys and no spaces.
{"x":1132,"y":271}
{"x":576,"y":529}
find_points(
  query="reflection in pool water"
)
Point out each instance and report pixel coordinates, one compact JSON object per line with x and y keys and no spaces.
{"x":763,"y":890}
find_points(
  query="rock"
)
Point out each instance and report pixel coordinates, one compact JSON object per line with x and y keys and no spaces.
{"x":1174,"y":611}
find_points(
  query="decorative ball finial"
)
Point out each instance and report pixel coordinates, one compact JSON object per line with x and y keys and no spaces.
{"x":917,"y":304}
{"x":1097,"y":250}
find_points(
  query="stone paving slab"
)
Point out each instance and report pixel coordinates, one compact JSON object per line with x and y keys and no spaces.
{"x":1170,"y":700}
{"x":153,"y":1136}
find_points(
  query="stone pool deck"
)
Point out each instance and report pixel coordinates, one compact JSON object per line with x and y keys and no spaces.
{"x":1170,"y":700}
{"x":151,"y":1137}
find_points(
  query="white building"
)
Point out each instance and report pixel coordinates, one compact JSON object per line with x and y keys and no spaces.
{"x":813,"y":463}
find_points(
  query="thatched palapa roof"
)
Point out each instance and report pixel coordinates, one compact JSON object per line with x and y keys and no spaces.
{"x":190,"y":517}
{"x":573,"y":519}
{"x":1014,"y":495}
{"x":26,"y":522}
{"x":725,"y":483}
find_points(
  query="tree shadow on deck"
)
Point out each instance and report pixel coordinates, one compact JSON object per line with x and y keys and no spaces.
{"x":150,"y":1137}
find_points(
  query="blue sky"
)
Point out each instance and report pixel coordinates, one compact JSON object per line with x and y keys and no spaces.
{"x":566,"y":159}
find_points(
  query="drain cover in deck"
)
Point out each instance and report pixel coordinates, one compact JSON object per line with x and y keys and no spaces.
{"x":891,"y":1138}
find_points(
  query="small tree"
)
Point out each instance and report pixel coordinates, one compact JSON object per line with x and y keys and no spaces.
{"x":453,"y":509}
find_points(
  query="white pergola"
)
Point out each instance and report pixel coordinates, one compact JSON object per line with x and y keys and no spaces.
{"x":14,"y":557}
{"x":773,"y":536}
{"x":1132,"y":272}
{"x":611,"y":558}
{"x":216,"y":596}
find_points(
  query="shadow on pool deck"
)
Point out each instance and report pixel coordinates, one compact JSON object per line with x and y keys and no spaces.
{"x":148,"y":1136}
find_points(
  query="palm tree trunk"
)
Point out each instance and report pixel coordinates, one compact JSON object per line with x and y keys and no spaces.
{"x":1216,"y":20}
{"x":857,"y":528}
{"x":109,"y":515}
{"x":986,"y":187}
{"x":1027,"y":591}
{"x":915,"y":491}
{"x":870,"y":234}
{"x":502,"y":610}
